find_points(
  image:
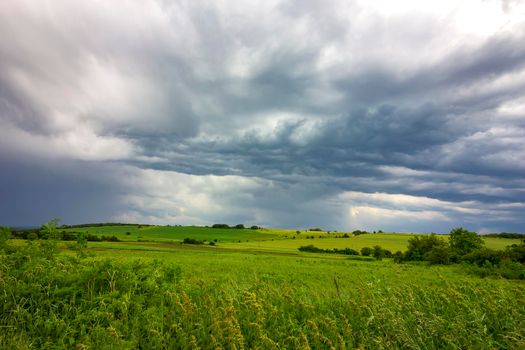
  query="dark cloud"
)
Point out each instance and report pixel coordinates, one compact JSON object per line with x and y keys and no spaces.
{"x":292,"y":114}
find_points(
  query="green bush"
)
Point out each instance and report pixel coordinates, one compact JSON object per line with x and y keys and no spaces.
{"x":420,"y":246}
{"x":463,"y":241}
{"x":366,"y":251}
{"x":192,"y":241}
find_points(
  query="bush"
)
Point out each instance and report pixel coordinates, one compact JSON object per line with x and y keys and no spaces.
{"x":254,"y":227}
{"x":483,"y":256}
{"x":516,"y":252}
{"x":315,"y":229}
{"x":366,"y":251}
{"x":32,"y":236}
{"x":192,"y":241}
{"x":420,"y":246}
{"x":439,"y":255}
{"x":398,"y":256}
{"x":220,"y":226}
{"x":346,"y":251}
{"x":311,"y":248}
{"x":378,"y":252}
{"x":110,"y":238}
{"x":359,"y":232}
{"x":239,"y":226}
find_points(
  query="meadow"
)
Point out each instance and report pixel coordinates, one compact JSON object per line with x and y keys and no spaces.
{"x":265,"y":294}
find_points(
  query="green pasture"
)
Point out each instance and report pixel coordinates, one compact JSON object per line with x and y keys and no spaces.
{"x":390,"y":241}
{"x":178,"y":233}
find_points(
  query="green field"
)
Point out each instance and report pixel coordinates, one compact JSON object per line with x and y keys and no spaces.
{"x":160,"y":294}
{"x":178,"y":233}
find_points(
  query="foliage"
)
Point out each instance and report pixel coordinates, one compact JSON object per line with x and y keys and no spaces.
{"x":463,"y":241}
{"x":49,"y":229}
{"x":5,"y":234}
{"x":419,"y":247}
{"x":366,"y":251}
{"x":506,"y":235}
{"x":249,"y":301}
{"x":379,"y":253}
{"x":220,"y":226}
{"x":359,"y":232}
{"x":313,"y":249}
{"x":192,"y":241}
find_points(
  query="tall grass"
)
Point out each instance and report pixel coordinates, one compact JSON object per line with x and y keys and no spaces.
{"x":236,"y":301}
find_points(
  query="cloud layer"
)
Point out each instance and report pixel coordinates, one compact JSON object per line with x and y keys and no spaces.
{"x":346,"y":115}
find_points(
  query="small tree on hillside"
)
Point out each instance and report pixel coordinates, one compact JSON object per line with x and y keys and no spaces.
{"x":50,"y":231}
{"x":463,"y":241}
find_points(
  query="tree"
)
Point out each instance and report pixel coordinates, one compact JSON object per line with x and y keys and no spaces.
{"x":49,"y":229}
{"x":81,"y":241}
{"x":463,"y":241}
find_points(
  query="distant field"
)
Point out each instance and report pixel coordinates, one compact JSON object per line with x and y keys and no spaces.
{"x":390,"y":241}
{"x":266,"y":239}
{"x":178,"y":233}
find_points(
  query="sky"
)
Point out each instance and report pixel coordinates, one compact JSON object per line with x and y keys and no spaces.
{"x":400,"y":115}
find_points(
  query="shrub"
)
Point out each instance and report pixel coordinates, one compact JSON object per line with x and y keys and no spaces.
{"x":220,"y":226}
{"x":359,"y":232}
{"x":463,"y":242}
{"x":366,"y":251}
{"x":516,"y":252}
{"x":483,"y":256}
{"x":398,"y":256}
{"x":346,"y":251}
{"x":192,"y":241}
{"x":315,"y":229}
{"x":239,"y":226}
{"x":110,"y":238}
{"x":311,"y":248}
{"x":420,"y":246}
{"x":254,"y":227}
{"x":378,"y":252}
{"x":32,"y":236}
{"x":439,"y":255}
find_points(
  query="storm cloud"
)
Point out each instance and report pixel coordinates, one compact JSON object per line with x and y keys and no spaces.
{"x":406,"y":116}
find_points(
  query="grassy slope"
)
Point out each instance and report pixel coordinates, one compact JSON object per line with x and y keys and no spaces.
{"x":178,"y":233}
{"x":393,"y":242}
{"x":265,"y":239}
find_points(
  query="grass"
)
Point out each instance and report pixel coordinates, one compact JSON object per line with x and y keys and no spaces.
{"x":178,"y":233}
{"x":259,"y":294}
{"x":390,"y":241}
